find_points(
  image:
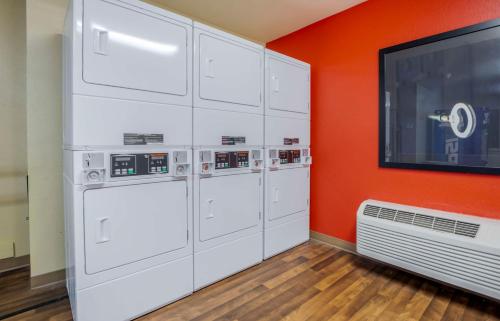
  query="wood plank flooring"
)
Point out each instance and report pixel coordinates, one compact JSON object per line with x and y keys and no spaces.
{"x":16,"y":293}
{"x":314,"y":282}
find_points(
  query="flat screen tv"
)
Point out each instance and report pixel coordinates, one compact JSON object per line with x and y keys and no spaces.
{"x":440,"y":102}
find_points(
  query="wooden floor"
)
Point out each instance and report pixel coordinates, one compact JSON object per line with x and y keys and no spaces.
{"x":314,"y":282}
{"x":16,"y":294}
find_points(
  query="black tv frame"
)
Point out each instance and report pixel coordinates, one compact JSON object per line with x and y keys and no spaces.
{"x":411,"y":44}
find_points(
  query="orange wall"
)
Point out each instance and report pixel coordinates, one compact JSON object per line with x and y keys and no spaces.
{"x":342,"y":51}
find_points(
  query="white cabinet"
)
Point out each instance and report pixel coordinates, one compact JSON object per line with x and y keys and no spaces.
{"x":228,"y":204}
{"x":228,"y":71}
{"x":125,"y":224}
{"x":127,"y":49}
{"x":287,"y":86}
{"x":287,"y":140}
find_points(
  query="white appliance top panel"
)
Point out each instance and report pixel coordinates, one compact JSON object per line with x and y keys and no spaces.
{"x":229,"y":71}
{"x":124,"y":46}
{"x":144,"y":6}
{"x":206,"y":28}
{"x":287,"y":84}
{"x":127,"y":224}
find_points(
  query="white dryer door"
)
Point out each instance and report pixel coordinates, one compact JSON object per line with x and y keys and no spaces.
{"x":126,"y":224}
{"x":136,"y":50}
{"x":287,"y":192}
{"x":228,"y":204}
{"x":229,"y":72}
{"x":288,"y":86}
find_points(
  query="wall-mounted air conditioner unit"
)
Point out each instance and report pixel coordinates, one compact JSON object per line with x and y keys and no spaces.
{"x":457,"y":249}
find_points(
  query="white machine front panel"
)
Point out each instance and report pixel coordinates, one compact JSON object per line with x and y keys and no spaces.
{"x":129,"y":297}
{"x":141,"y":50}
{"x":287,"y":85}
{"x":218,"y":262}
{"x":228,"y":204}
{"x":228,"y":71}
{"x":279,"y":129}
{"x":126,"y":224}
{"x":287,"y":192}
{"x":209,"y":126}
{"x":282,"y":237}
{"x":103,"y":122}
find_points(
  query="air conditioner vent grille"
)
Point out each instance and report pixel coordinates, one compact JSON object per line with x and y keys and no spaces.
{"x":444,"y":225}
{"x":466,"y":229}
{"x":387,"y":214}
{"x":405,"y":217}
{"x":423,"y":220}
{"x":371,"y":210}
{"x":426,"y":221}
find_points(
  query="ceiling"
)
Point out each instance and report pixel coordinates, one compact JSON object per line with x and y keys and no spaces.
{"x":258,"y":20}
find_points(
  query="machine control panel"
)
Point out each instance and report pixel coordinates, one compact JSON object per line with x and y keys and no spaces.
{"x":158,"y":163}
{"x":123,"y":165}
{"x":290,"y":156}
{"x":284,"y":158}
{"x":227,"y":160}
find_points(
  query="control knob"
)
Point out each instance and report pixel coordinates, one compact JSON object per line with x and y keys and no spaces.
{"x":93,"y":176}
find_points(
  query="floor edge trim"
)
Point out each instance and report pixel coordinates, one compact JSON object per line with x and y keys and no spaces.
{"x":333,"y":241}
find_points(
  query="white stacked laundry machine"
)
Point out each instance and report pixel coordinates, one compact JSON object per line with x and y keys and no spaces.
{"x":287,"y":140}
{"x":173,"y":179}
{"x":228,"y":146}
{"x":127,"y":158}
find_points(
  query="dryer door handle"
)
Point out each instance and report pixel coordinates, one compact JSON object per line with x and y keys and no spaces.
{"x":276,"y":197}
{"x":276,"y":81}
{"x":209,"y":67}
{"x":101,"y":42}
{"x":103,"y":230}
{"x":210,"y":214}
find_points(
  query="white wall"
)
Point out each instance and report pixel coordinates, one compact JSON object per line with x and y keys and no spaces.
{"x":44,"y":28}
{"x":14,"y":226}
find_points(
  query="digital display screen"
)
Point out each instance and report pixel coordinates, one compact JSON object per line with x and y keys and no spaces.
{"x":157,"y":156}
{"x":123,"y":159}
